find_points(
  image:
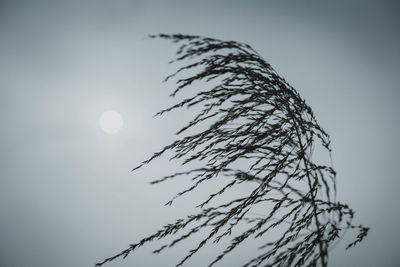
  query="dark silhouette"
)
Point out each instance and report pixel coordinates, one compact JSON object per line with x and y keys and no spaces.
{"x":256,"y":117}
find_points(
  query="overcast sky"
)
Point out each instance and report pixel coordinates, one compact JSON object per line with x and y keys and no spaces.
{"x":67,"y":196}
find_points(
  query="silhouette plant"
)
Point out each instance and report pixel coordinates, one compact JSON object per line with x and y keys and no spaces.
{"x":255,"y":117}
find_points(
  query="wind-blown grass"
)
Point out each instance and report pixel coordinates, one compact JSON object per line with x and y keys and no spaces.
{"x":256,"y":116}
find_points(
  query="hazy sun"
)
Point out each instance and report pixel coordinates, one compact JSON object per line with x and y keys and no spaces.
{"x":111,"y":122}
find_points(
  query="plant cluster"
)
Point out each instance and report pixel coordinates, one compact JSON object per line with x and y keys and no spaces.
{"x":253,"y":116}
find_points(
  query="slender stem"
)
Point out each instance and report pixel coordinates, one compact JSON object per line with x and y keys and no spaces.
{"x":321,"y":249}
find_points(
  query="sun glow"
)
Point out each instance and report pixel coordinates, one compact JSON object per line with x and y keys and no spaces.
{"x":111,"y":122}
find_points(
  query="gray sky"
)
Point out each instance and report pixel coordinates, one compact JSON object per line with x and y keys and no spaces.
{"x":67,"y":196}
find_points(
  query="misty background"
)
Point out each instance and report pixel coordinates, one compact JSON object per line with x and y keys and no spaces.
{"x":67,"y":196}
